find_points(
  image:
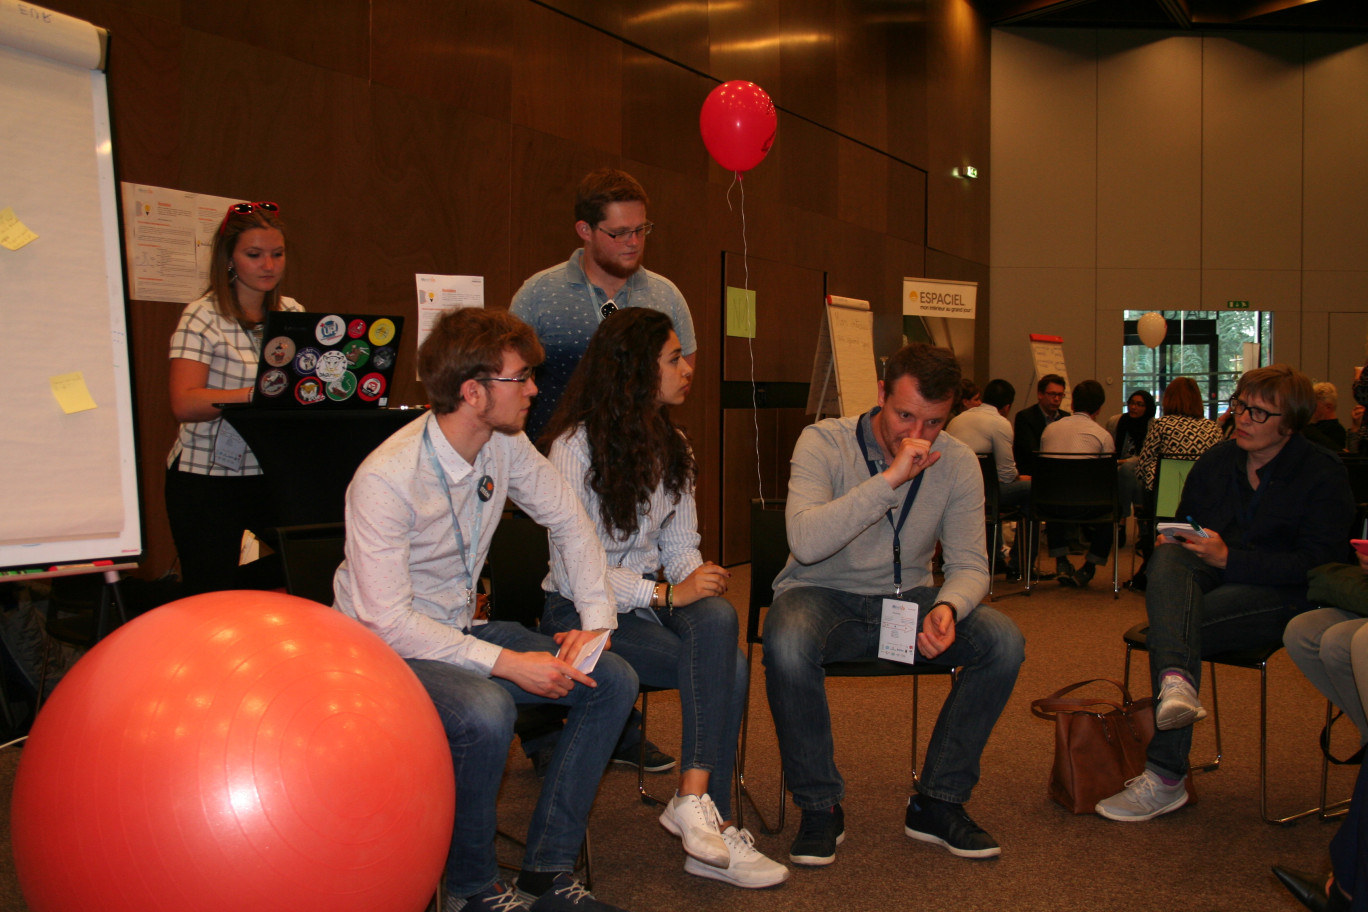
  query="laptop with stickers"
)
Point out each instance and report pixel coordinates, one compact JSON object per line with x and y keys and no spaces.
{"x":326,"y":361}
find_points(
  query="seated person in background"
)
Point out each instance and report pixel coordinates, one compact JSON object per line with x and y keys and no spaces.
{"x":613,"y":440}
{"x":1274,"y":505}
{"x":1330,"y":646}
{"x":1079,"y":434}
{"x":868,"y":497}
{"x":1325,"y":428}
{"x":1031,"y":422}
{"x":1182,"y":433}
{"x":968,"y":397}
{"x":1128,"y":431}
{"x":421,"y":512}
{"x":985,"y":429}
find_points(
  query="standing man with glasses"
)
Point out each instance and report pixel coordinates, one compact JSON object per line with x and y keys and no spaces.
{"x":1271,"y":505}
{"x":564,"y":304}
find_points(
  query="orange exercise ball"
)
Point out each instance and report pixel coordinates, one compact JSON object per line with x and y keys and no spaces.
{"x":235,"y":751}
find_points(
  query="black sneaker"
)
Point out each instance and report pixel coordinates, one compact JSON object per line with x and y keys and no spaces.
{"x":819,"y":833}
{"x":933,"y":820}
{"x":657,"y":761}
{"x":566,"y":895}
{"x":1084,"y":574}
{"x":1064,"y":572}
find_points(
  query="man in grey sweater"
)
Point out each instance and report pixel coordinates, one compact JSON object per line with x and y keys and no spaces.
{"x":869,"y":498}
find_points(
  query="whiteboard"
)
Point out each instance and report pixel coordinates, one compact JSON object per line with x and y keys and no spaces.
{"x":71,"y":489}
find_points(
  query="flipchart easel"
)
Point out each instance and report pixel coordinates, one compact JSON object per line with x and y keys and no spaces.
{"x":845,"y":355}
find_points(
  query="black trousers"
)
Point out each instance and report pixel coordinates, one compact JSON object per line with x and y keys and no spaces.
{"x":208,"y":514}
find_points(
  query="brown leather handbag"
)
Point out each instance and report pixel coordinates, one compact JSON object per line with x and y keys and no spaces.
{"x":1099,"y":743}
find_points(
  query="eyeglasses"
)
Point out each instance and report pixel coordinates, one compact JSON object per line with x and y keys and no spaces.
{"x":526,"y":377}
{"x":621,"y":234}
{"x":1256,"y":414}
{"x":246,"y":209}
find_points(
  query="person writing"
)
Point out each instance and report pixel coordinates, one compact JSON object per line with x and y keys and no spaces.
{"x":214,"y":486}
{"x":613,"y":440}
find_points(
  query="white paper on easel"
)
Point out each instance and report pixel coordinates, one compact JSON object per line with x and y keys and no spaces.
{"x":844,"y":379}
{"x":898,"y":631}
{"x":1047,"y":354}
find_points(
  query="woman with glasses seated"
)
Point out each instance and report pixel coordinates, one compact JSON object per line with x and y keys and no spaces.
{"x":613,"y":440}
{"x":214,"y":486}
{"x":1270,"y":505}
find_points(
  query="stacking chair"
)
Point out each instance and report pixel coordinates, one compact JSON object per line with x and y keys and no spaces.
{"x":1358,"y":483}
{"x":1161,"y":504}
{"x":1066,"y":487}
{"x":1256,"y":659}
{"x":993,"y":514}
{"x":769,"y":553}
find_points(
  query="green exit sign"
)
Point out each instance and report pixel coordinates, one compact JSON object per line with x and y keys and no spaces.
{"x":1237,"y":305}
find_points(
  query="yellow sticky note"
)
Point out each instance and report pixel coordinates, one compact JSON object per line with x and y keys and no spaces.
{"x":740,"y":312}
{"x":14,"y":233}
{"x":70,"y":390}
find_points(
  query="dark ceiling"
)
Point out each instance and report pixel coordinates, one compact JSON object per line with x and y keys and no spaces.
{"x":1180,"y":15}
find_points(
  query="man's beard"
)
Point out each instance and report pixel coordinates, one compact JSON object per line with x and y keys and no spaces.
{"x":614,"y":268}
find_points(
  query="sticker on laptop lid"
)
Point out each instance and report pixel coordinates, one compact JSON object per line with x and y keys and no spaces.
{"x":382,"y":331}
{"x":372,"y":387}
{"x":309,"y":390}
{"x":332,"y":365}
{"x":279,"y":352}
{"x":331,"y":329}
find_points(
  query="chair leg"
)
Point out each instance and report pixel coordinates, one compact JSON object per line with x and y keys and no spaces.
{"x":1215,"y":723}
{"x":646,"y":797}
{"x":1263,"y":759}
{"x":1339,"y":808}
{"x":1029,"y":554}
{"x":1116,"y":563}
{"x":916,"y":701}
{"x":743,"y":793}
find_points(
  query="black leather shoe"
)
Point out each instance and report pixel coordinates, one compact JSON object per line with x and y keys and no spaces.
{"x":1309,"y":889}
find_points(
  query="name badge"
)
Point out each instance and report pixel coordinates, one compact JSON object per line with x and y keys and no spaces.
{"x":898,"y":631}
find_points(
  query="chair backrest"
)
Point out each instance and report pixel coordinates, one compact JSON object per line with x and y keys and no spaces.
{"x":311,"y":555}
{"x":1170,"y":475}
{"x":991,"y":494}
{"x":519,"y":558}
{"x":1070,"y":480}
{"x":769,"y":553}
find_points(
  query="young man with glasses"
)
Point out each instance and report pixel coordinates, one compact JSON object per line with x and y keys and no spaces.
{"x":1271,"y":505}
{"x":564,"y":304}
{"x":421,"y":512}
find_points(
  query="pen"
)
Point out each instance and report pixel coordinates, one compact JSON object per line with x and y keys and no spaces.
{"x":1195,"y":526}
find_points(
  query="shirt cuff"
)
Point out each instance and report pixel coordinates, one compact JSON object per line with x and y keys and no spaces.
{"x":599,"y":617}
{"x":482,"y":655}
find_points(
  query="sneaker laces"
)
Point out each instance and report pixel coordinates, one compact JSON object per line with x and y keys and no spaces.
{"x":508,"y":901}
{"x":741,"y":842}
{"x":1145,"y":785}
{"x":710,"y":813}
{"x":814,"y":824}
{"x":573,"y":891}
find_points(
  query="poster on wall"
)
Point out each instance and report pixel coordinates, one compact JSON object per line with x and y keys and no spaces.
{"x":939,"y":298}
{"x":168,"y":238}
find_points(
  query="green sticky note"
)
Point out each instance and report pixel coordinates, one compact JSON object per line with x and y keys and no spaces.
{"x":740,"y":312}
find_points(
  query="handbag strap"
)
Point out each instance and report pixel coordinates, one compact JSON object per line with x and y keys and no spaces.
{"x":1047,"y":707}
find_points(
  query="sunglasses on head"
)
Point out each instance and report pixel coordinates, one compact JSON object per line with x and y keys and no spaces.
{"x":246,"y":209}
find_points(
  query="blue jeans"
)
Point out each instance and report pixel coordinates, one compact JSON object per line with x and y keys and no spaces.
{"x":477,"y":713}
{"x":808,"y":626}
{"x":1193,"y":614}
{"x":694,"y":650}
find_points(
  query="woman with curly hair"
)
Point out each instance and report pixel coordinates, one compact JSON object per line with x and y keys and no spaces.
{"x":614,"y":441}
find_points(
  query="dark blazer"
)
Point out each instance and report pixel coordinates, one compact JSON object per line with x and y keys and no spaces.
{"x":1030,"y":424}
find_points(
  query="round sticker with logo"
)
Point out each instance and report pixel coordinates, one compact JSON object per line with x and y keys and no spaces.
{"x":372,"y":387}
{"x":332,"y":365}
{"x":382,"y":358}
{"x":357,"y":352}
{"x":306,"y":362}
{"x":382,"y":331}
{"x":309,"y":390}
{"x":330,"y":330}
{"x":279,"y":352}
{"x":273,"y":383}
{"x":356,"y":328}
{"x":342,"y":387}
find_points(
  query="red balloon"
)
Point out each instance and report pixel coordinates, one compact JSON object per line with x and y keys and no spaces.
{"x":738,"y":123}
{"x":236,"y":750}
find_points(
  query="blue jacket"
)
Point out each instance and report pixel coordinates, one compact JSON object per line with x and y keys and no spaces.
{"x":1300,"y":517}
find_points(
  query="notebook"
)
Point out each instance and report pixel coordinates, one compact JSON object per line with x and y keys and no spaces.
{"x":327,"y":361}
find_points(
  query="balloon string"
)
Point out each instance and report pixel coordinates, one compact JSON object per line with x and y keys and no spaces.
{"x":750,"y":337}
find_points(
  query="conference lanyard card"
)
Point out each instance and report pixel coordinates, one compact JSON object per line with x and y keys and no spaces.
{"x":898,"y":631}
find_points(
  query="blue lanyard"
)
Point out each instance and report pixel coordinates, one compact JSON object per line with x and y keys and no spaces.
{"x":906,"y":507}
{"x":467,"y":553}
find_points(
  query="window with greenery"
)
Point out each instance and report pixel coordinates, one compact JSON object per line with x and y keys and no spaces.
{"x":1206,"y":345}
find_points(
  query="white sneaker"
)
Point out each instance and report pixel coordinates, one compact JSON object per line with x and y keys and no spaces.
{"x":1178,"y":705}
{"x":693,"y":818}
{"x":1144,"y":798}
{"x":748,"y":868}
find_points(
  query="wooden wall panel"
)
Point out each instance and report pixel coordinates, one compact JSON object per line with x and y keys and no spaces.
{"x":788,"y":312}
{"x":957,"y":95}
{"x":460,"y":54}
{"x":333,"y":35}
{"x":405,"y":136}
{"x":1335,"y":201}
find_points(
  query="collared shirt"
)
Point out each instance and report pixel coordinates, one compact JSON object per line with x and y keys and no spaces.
{"x":232,"y":353}
{"x":839,"y":537}
{"x":563,"y":307}
{"x":666,"y":536}
{"x":1077,"y":434}
{"x":413,"y":555}
{"x":984,"y":430}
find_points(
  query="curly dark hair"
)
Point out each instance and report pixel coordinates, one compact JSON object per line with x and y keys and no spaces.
{"x":634,"y":446}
